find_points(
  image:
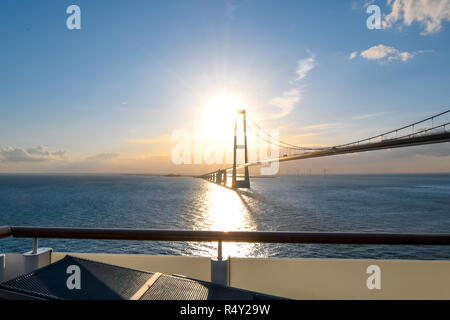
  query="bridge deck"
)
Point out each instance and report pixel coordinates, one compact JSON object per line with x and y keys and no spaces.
{"x":435,"y":134}
{"x":386,"y":144}
{"x":380,"y":145}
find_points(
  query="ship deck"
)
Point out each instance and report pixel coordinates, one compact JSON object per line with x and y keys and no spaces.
{"x":294,"y":278}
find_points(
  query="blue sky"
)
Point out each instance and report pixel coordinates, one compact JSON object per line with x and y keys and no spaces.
{"x":136,"y":71}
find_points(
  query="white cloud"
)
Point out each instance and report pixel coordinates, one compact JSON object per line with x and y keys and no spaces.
{"x":37,"y":154}
{"x":353,"y":55}
{"x":429,"y":13}
{"x":287,"y":101}
{"x":304,"y":66}
{"x":387,"y":54}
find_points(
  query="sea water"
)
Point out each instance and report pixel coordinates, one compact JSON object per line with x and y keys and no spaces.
{"x":335,"y":203}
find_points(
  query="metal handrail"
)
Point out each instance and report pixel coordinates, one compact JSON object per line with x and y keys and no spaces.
{"x":5,"y":231}
{"x":227,"y":236}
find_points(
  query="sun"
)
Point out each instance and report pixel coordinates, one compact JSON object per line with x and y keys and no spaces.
{"x":224,"y":104}
{"x":219,"y":116}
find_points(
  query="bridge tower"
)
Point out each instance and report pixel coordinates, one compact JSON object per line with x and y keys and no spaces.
{"x":235,"y":183}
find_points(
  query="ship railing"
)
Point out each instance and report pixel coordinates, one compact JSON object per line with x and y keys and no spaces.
{"x":39,"y":257}
{"x":352,"y":238}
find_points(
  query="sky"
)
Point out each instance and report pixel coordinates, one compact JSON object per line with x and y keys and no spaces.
{"x":107,"y":98}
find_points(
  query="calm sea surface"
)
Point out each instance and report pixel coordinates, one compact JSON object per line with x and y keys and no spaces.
{"x":372,"y":203}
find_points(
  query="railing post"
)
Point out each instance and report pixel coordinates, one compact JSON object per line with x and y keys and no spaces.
{"x":35,"y":246}
{"x":220,"y":267}
{"x":36,"y":258}
{"x":219,"y":250}
{"x":2,"y":267}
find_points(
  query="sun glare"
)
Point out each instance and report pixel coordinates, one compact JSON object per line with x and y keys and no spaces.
{"x":224,"y":102}
{"x":225,"y":210}
{"x":219,"y":114}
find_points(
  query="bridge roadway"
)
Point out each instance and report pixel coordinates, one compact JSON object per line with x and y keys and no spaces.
{"x":386,"y":144}
{"x":413,"y":140}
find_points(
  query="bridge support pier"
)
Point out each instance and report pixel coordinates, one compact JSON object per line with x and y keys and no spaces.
{"x":219,"y":177}
{"x":235,"y":183}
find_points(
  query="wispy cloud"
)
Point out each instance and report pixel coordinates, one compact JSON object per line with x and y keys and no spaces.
{"x":230,"y":9}
{"x":429,"y":13}
{"x":304,"y":66}
{"x":359,"y":5}
{"x":320,"y":126}
{"x":369,"y":115}
{"x":309,"y":134}
{"x":36,"y":154}
{"x":162,"y":139}
{"x":103,"y":156}
{"x":353,"y":55}
{"x":287,"y":101}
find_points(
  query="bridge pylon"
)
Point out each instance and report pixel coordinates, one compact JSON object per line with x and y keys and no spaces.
{"x":235,"y":183}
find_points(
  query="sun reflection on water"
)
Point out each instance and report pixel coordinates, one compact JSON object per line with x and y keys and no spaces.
{"x":225,"y":210}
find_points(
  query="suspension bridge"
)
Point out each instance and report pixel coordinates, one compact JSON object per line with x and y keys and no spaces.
{"x":436,"y":130}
